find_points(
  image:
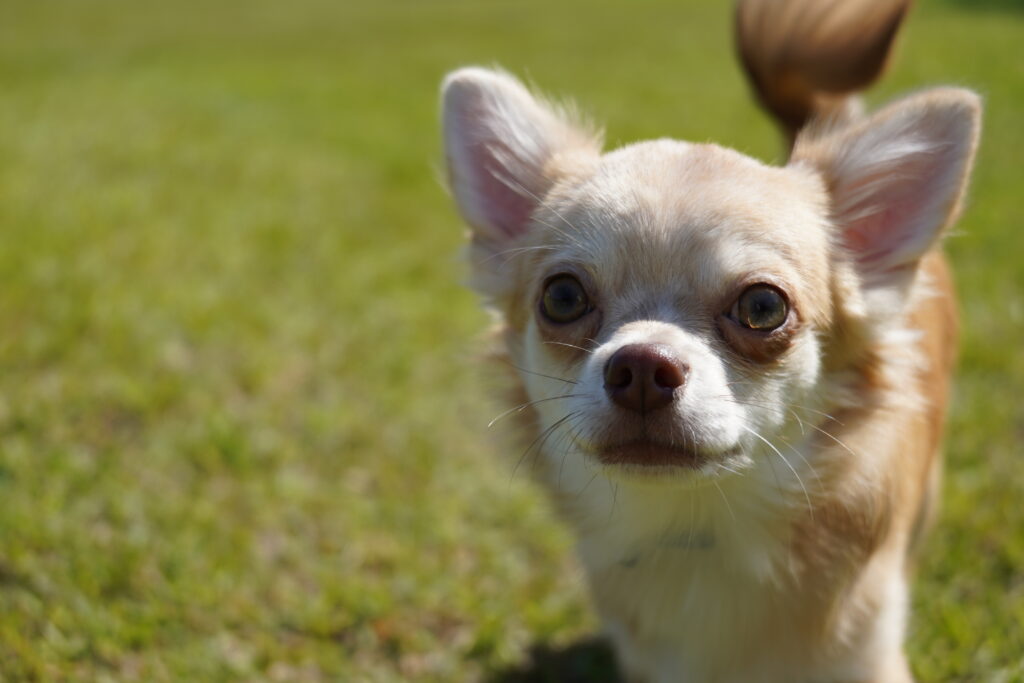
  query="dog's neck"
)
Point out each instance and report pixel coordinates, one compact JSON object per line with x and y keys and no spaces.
{"x":733,"y":522}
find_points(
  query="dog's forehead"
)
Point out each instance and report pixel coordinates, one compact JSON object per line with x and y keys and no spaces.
{"x":677,"y":188}
{"x":677,"y":210}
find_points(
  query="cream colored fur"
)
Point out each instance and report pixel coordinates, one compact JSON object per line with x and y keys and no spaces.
{"x":782,"y":554}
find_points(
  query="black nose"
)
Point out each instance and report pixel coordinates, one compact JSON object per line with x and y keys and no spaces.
{"x":643,"y":377}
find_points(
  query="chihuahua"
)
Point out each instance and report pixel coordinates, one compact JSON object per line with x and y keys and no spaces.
{"x":752,"y":361}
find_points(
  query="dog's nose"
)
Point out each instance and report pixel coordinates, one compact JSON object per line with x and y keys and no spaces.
{"x":643,"y":377}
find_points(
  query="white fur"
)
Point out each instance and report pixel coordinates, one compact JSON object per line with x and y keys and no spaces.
{"x":694,"y":569}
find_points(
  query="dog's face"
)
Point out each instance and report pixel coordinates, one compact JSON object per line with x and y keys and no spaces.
{"x":672,"y":306}
{"x":684,"y":320}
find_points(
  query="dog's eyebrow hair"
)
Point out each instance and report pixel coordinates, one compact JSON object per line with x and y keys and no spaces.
{"x":516,"y":251}
{"x":570,"y":239}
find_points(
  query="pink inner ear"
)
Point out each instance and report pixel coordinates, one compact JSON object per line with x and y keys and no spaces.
{"x":506,"y":204}
{"x":894,"y":214}
{"x":886,"y":233}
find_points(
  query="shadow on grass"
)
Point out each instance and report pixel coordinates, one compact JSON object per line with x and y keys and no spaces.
{"x":588,"y":661}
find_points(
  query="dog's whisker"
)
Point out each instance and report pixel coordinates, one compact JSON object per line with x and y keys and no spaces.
{"x":615,"y":499}
{"x":565,"y":440}
{"x":775,"y":475}
{"x":810,"y":507}
{"x":831,"y":436}
{"x":574,"y":432}
{"x":725,"y":499}
{"x":561,"y":467}
{"x":540,"y":438}
{"x":571,"y":346}
{"x":587,"y":485}
{"x":807,"y":462}
{"x":798,"y":420}
{"x":816,"y":412}
{"x":523,"y":406}
{"x":539,"y":374}
{"x":517,"y":251}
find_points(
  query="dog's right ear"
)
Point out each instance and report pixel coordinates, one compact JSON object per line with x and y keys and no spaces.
{"x":505,"y":150}
{"x":897,"y":179}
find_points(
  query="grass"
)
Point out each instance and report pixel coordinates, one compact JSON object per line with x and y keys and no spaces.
{"x":239,"y":435}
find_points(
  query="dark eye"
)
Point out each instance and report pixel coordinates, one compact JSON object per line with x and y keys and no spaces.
{"x":564,"y":299}
{"x":761,"y":307}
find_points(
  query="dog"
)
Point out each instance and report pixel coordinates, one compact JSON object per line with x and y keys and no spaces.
{"x":732,"y":376}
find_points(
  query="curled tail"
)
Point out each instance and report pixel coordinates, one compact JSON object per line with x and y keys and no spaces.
{"x":806,"y":58}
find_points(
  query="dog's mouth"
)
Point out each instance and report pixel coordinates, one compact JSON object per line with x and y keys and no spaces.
{"x":648,"y":453}
{"x":653,"y":450}
{"x":653,"y":456}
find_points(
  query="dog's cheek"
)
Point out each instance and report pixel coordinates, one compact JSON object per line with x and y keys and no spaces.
{"x":803,"y":364}
{"x":769,"y":395}
{"x":547,"y":373}
{"x":797,"y":383}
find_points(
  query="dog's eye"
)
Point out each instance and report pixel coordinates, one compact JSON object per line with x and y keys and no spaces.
{"x":761,"y":307}
{"x":564,"y":299}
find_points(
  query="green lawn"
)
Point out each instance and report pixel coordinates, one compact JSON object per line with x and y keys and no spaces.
{"x":242,"y":420}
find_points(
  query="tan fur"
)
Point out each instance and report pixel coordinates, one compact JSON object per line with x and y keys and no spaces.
{"x":847,"y":525}
{"x":769,"y":536}
{"x":805,"y":59}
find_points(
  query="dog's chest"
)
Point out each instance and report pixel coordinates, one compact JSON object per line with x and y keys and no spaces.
{"x":689,"y":583}
{"x":691,"y":606}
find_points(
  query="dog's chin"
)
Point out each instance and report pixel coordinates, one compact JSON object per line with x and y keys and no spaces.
{"x":649,"y":461}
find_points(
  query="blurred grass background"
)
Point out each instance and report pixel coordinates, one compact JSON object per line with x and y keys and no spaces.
{"x":242,"y":428}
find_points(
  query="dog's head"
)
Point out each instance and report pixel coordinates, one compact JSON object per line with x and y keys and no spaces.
{"x":667,"y":303}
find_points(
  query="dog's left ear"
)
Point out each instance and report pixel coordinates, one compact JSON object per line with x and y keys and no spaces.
{"x":505,"y":150}
{"x":896,"y":179}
